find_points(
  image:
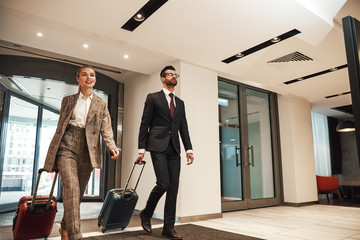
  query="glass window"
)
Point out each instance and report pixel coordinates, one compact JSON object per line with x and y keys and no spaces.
{"x":19,"y":152}
{"x":93,"y":187}
{"x":16,"y":180}
{"x":47,"y":131}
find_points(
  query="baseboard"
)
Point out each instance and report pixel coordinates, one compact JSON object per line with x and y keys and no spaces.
{"x":300,"y":204}
{"x":200,"y":217}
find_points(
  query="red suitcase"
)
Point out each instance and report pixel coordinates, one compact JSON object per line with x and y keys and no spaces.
{"x":35,"y":215}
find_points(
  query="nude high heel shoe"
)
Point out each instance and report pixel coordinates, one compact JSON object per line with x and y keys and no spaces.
{"x":63,"y":234}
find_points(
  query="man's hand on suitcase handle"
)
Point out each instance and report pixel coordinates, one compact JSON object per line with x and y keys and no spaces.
{"x":189,"y":158}
{"x":139,"y":159}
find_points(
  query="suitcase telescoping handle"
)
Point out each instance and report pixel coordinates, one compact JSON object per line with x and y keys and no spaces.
{"x":132,"y":170}
{"x":36,"y":188}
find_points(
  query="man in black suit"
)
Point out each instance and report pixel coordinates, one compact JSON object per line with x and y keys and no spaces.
{"x":163,"y":118}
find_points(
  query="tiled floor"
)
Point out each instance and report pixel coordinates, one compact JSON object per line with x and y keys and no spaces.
{"x":323,"y":222}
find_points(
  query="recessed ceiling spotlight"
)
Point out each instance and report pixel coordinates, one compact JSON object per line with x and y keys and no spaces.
{"x":126,"y":56}
{"x":85,"y":45}
{"x":139,"y":17}
{"x":275,"y":40}
{"x":39,"y":34}
{"x":300,"y":79}
{"x":239,"y":55}
{"x":143,"y":14}
{"x":333,"y":69}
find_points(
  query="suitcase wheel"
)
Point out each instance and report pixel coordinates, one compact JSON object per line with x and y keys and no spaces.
{"x":122,"y":228}
{"x":103,"y":230}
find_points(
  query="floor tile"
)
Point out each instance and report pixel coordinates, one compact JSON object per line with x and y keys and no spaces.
{"x":274,"y":223}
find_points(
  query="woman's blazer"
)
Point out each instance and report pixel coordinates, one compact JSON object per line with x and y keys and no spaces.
{"x":98,"y":122}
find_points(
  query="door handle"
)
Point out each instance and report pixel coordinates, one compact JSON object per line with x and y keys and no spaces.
{"x":237,"y":156}
{"x":252,"y":156}
{"x":251,"y":148}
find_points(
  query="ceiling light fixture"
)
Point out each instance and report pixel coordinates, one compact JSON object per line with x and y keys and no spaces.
{"x":275,"y":40}
{"x":144,"y":13}
{"x":337,"y":95}
{"x":126,"y":56}
{"x":263,"y":45}
{"x":139,"y":17}
{"x":315,"y":74}
{"x":345,"y":126}
{"x":39,"y":34}
{"x":85,"y":45}
{"x":333,"y":69}
{"x":239,"y":55}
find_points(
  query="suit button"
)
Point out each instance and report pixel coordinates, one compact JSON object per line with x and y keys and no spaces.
{"x":169,"y":132}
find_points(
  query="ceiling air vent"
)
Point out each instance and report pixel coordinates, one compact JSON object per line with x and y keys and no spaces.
{"x":292,"y":57}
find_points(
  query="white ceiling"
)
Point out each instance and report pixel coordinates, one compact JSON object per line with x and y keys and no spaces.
{"x":201,"y":32}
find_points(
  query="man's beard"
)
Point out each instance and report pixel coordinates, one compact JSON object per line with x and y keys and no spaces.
{"x":171,"y":83}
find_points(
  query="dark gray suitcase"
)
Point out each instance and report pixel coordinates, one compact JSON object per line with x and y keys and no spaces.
{"x":119,"y":205}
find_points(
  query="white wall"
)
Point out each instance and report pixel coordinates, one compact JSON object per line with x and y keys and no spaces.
{"x":199,"y":191}
{"x":297,"y":153}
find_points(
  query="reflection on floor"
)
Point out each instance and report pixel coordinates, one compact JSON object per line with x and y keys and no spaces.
{"x":348,"y":202}
{"x":318,"y":221}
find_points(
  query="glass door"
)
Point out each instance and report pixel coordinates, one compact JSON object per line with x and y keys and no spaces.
{"x":230,"y":157}
{"x":248,"y":147}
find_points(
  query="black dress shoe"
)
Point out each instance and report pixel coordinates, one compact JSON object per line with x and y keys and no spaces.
{"x":170,"y":233}
{"x":145,"y":222}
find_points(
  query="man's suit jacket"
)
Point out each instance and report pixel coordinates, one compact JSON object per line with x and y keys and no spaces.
{"x":157,"y":127}
{"x":98,"y":122}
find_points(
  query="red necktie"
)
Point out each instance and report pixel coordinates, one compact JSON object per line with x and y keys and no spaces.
{"x":172,"y":106}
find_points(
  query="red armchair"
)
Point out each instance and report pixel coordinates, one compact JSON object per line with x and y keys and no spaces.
{"x":328,"y":184}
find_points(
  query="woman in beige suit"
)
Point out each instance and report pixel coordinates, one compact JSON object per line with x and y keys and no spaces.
{"x":76,"y":149}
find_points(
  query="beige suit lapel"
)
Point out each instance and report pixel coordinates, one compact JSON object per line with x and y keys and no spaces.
{"x":92,"y":110}
{"x":71,"y":106}
{"x":72,"y":102}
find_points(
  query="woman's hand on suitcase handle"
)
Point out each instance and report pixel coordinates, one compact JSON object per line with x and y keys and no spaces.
{"x":139,"y":159}
{"x":114,"y":153}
